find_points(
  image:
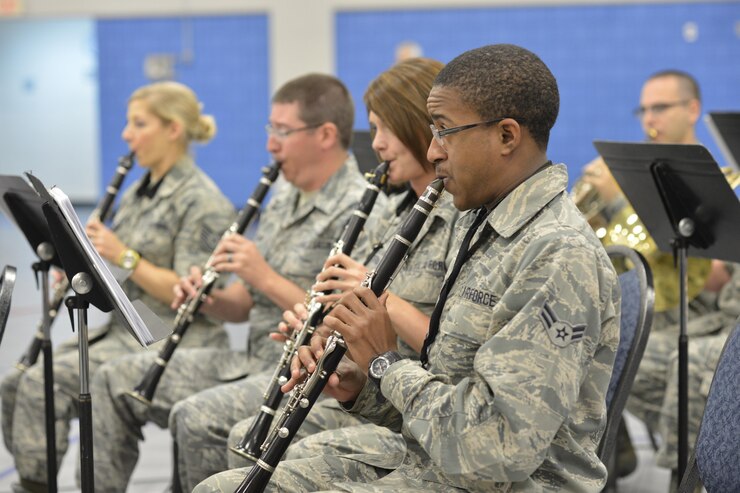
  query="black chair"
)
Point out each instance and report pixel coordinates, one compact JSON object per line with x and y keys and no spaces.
{"x":638,"y":298}
{"x":717,"y":452}
{"x":7,"y":282}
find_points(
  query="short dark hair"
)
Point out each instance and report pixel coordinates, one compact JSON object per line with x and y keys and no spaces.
{"x":505,"y":80}
{"x":686,"y":81}
{"x":321,"y":98}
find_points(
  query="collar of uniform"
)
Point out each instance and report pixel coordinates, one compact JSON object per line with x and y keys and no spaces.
{"x":181,"y":171}
{"x":528,"y":199}
{"x":444,"y":209}
{"x":325,"y":199}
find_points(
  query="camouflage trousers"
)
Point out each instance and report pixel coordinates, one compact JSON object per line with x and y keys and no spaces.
{"x":649,"y":388}
{"x":330,"y":445}
{"x":118,"y":418}
{"x":359,"y":473}
{"x":206,"y":425}
{"x":704,"y":355}
{"x":23,"y":411}
{"x":200,"y":425}
{"x":327,"y":430}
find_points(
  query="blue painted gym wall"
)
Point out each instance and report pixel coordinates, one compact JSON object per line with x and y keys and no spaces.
{"x":224,"y":59}
{"x":600,"y":56}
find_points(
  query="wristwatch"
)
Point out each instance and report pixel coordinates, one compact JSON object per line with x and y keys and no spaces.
{"x":380,"y":364}
{"x":129,"y":259}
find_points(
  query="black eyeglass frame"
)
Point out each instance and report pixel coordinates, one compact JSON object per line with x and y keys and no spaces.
{"x":439,"y":135}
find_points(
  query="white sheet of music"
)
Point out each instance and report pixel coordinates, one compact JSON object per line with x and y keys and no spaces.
{"x":141,"y":321}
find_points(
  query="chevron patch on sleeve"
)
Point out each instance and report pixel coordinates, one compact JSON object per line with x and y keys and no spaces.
{"x":561,"y":333}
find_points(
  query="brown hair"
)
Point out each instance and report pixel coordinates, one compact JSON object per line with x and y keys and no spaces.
{"x":399,"y":97}
{"x":321,"y":98}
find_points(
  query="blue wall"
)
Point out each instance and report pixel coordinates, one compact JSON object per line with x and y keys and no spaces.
{"x":228,"y":71}
{"x":599,"y":54}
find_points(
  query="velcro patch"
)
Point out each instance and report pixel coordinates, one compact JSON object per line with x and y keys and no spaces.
{"x":561,"y":332}
{"x":209,"y":238}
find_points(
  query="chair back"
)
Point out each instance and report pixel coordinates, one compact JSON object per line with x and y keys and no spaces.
{"x":717,"y":452}
{"x":638,"y":298}
{"x":7,"y":283}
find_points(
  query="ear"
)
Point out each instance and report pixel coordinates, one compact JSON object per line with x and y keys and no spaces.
{"x":328,"y":135}
{"x":175,"y":130}
{"x":694,"y":107}
{"x":510,"y":135}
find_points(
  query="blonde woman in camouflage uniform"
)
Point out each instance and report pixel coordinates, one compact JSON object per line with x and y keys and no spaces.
{"x":396,"y":103}
{"x":510,"y":395}
{"x":309,"y":132}
{"x":171,"y":219}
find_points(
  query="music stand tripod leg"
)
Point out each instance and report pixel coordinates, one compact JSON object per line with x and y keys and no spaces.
{"x":46,"y":252}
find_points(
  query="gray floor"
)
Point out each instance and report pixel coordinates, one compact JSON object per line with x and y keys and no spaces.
{"x":153,"y":471}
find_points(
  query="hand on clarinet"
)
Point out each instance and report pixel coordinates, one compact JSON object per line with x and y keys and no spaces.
{"x":306,"y":357}
{"x":188,"y":287}
{"x":292,"y":321}
{"x":343,"y":385}
{"x":240,"y":256}
{"x":363,"y":320}
{"x":104,"y":240}
{"x":342,"y":274}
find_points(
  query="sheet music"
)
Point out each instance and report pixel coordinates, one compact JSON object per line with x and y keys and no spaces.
{"x":146,"y":326}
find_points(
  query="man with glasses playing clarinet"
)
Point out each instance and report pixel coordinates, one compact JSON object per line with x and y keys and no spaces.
{"x":509,"y":394}
{"x":309,"y":133}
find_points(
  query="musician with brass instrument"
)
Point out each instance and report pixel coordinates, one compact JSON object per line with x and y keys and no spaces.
{"x":309,"y":133}
{"x":396,"y":105}
{"x":523,"y":336}
{"x":166,"y":222}
{"x":670,"y":107}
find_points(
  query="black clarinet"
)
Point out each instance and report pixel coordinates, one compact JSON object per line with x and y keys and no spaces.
{"x":187,"y":311}
{"x":304,"y":395}
{"x":249,"y":445}
{"x":101,"y":211}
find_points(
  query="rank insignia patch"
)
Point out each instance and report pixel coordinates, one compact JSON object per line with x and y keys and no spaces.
{"x":561,"y":332}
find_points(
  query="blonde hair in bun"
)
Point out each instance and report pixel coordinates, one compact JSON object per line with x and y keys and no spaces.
{"x":172,"y":101}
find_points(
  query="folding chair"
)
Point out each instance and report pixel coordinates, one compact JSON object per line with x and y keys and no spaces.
{"x":638,"y":298}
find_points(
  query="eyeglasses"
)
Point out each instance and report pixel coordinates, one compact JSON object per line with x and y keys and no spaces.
{"x":439,"y":135}
{"x":281,"y":133}
{"x":656,"y":109}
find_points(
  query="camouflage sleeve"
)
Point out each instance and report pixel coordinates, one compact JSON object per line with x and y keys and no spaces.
{"x":538,"y":358}
{"x":373,"y":405}
{"x":206,"y":219}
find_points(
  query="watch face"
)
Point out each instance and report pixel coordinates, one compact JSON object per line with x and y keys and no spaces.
{"x":379,"y":366}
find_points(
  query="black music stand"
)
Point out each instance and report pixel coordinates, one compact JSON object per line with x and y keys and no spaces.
{"x":23,"y":206}
{"x":684,"y":200}
{"x":92,"y":283}
{"x":725,"y":128}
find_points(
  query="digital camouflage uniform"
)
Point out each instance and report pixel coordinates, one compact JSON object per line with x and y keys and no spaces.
{"x":175,"y":228}
{"x":295,"y":242}
{"x":201,"y":436}
{"x":514,"y":398}
{"x":705,"y":320}
{"x":704,"y":353}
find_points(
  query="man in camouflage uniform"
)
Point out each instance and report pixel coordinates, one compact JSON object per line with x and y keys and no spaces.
{"x":522,"y":340}
{"x":418,"y":282}
{"x":704,"y":353}
{"x":309,"y":133}
{"x":173,"y":225}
